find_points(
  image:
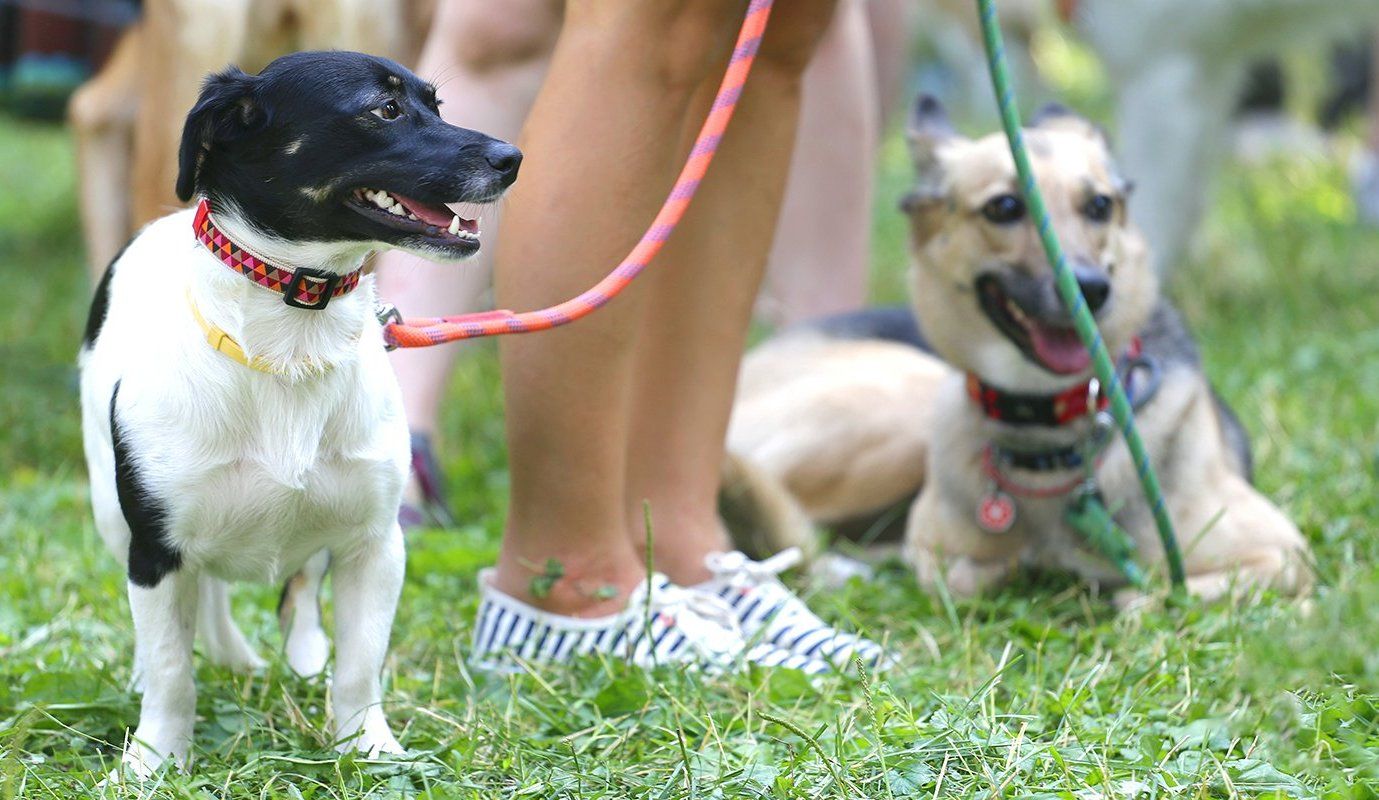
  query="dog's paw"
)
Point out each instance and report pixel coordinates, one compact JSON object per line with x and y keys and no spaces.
{"x":139,"y":763}
{"x":1131,"y":602}
{"x":388,"y":746}
{"x":225,"y":645}
{"x":307,"y":650}
{"x":373,"y":741}
{"x":244,"y":661}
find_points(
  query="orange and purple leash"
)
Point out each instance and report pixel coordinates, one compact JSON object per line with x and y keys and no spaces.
{"x":427,"y":331}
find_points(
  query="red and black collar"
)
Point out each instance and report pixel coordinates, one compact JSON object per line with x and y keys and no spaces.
{"x":1047,"y":410}
{"x":311,"y":289}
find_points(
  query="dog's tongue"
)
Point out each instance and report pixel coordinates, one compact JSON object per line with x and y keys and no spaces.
{"x":437,"y":215}
{"x":1059,"y":349}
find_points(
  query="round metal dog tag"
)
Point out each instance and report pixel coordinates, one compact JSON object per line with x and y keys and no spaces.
{"x":996,"y":512}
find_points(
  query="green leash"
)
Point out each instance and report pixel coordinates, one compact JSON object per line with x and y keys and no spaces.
{"x":1087,"y":513}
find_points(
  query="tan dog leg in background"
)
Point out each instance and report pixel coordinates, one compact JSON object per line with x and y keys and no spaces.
{"x":378,"y":27}
{"x":102,"y":114}
{"x":188,"y":39}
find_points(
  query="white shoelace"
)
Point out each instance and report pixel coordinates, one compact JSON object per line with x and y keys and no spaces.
{"x":737,"y":570}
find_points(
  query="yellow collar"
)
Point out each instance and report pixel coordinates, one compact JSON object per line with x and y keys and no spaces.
{"x":225,"y":344}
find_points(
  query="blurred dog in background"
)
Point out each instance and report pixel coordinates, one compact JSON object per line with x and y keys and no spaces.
{"x":128,"y":118}
{"x":857,"y":413}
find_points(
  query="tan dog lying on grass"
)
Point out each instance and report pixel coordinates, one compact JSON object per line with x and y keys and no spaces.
{"x":855,"y":413}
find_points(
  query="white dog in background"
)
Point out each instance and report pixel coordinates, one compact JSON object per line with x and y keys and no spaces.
{"x":1177,"y":67}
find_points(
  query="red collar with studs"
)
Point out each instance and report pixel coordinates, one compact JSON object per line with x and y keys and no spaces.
{"x":311,"y":289}
{"x":1014,"y":408}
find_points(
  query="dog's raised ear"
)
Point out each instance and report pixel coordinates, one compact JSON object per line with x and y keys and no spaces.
{"x":1058,"y":117}
{"x":927,"y":131}
{"x":226,"y":110}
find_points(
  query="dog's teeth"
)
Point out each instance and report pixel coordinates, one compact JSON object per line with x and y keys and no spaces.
{"x":411,"y":216}
{"x":454,"y":226}
{"x":397,"y":209}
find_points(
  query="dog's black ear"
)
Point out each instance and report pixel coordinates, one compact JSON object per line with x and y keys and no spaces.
{"x":226,"y":110}
{"x":928,"y":130}
{"x":1056,"y":116}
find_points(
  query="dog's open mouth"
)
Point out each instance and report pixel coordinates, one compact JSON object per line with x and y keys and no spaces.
{"x":432,"y":220}
{"x":1054,"y":347}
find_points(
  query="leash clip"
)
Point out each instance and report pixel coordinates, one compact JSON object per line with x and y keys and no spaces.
{"x":387,"y":314}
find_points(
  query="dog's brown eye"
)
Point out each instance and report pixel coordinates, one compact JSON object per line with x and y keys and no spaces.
{"x":1004,"y":209}
{"x":389,"y":110}
{"x":1099,"y":208}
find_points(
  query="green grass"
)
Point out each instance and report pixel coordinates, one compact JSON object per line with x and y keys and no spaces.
{"x":1039,"y":690}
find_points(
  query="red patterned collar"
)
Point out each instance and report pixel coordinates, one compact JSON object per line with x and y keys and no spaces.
{"x":1014,"y":408}
{"x":311,"y":289}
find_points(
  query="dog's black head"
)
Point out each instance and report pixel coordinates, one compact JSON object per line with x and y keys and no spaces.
{"x":341,"y":147}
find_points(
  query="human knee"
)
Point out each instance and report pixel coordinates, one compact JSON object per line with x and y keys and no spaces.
{"x":794,"y":33}
{"x":700,"y":35}
{"x":485,"y":39}
{"x":688,"y":40}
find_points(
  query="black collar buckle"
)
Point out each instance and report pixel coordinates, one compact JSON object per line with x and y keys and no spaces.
{"x":314,"y":283}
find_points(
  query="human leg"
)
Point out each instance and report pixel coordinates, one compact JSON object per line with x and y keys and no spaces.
{"x":699,"y":304}
{"x":819,"y":259}
{"x":487,"y":68}
{"x":603,"y":148}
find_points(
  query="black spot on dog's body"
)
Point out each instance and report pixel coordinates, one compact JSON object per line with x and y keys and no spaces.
{"x":100,"y":302}
{"x":150,"y":557}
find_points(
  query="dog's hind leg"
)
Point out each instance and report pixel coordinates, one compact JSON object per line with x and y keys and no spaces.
{"x":299,"y":614}
{"x":224,"y":642}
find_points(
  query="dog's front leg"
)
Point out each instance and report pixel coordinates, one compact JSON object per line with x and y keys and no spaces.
{"x":367,"y":583}
{"x":164,"y":629}
{"x":946,"y":547}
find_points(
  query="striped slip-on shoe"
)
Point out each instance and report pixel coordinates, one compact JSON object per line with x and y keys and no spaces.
{"x":768,"y":612}
{"x":662,"y":624}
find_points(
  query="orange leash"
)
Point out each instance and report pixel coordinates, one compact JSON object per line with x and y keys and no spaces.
{"x":427,"y":331}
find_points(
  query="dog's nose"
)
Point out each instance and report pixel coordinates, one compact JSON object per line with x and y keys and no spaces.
{"x":506,"y":159}
{"x":1095,"y":286}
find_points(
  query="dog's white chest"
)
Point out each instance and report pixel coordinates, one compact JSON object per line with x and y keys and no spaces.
{"x":290,"y":472}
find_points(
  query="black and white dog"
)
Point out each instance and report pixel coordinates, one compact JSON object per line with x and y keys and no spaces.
{"x":240,"y":417}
